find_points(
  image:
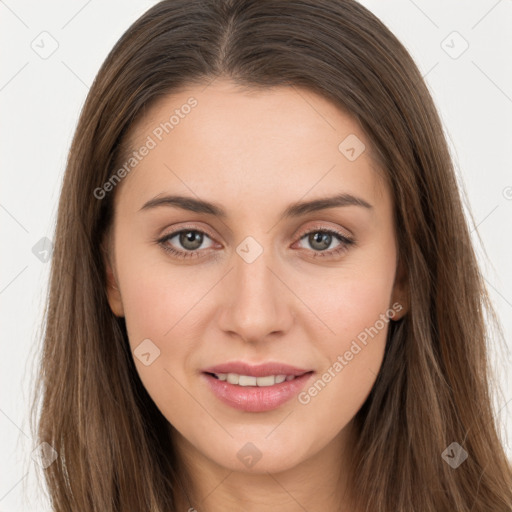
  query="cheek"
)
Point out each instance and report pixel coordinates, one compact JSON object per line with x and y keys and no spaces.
{"x":357,"y":311}
{"x":352,"y":360}
{"x":159,"y":306}
{"x":157,"y":297}
{"x":355,"y":301}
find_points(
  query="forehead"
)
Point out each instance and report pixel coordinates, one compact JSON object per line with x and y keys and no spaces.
{"x":239,"y":141}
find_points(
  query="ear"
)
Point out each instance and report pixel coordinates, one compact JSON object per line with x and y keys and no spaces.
{"x":112,"y":289}
{"x":400,"y":294}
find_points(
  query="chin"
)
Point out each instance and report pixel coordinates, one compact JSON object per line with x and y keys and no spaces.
{"x":258,"y":456}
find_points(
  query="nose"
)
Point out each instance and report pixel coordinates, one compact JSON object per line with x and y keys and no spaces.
{"x":256,"y":302}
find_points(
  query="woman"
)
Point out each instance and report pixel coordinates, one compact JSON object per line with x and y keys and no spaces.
{"x":263,"y":292}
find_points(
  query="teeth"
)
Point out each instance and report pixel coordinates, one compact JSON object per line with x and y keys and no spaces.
{"x":247,"y":380}
{"x":232,"y":378}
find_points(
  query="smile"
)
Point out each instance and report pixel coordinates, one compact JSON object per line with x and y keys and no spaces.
{"x":255,"y":394}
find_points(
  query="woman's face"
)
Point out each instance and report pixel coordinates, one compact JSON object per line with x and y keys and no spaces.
{"x":287,"y":255}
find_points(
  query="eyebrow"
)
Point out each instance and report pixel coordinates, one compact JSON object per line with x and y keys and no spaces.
{"x":294,"y":210}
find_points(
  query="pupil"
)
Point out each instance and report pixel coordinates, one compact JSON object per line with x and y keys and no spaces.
{"x":323,"y":238}
{"x":191,"y":239}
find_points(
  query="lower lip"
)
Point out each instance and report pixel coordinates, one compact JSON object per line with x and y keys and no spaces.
{"x":255,"y":398}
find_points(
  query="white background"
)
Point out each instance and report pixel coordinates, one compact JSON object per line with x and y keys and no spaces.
{"x":41,"y":100}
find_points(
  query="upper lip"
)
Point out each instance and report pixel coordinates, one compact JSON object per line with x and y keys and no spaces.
{"x":260,"y":370}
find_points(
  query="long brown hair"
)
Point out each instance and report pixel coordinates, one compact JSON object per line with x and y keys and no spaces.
{"x":434,"y":388}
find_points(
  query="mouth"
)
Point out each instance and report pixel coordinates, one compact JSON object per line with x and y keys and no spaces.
{"x":249,"y":393}
{"x":250,"y":380}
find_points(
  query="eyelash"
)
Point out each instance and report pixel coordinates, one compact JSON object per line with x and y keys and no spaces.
{"x":345,"y":243}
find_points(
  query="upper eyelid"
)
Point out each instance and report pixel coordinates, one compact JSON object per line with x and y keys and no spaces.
{"x":314,"y":228}
{"x":174,"y":232}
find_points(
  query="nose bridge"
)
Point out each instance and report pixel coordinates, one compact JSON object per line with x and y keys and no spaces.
{"x":257,"y":305}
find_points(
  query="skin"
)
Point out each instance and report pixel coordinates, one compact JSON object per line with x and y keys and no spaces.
{"x":254,"y":153}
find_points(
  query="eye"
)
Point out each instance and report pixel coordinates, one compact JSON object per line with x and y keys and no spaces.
{"x":191,"y":241}
{"x":321,"y":239}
